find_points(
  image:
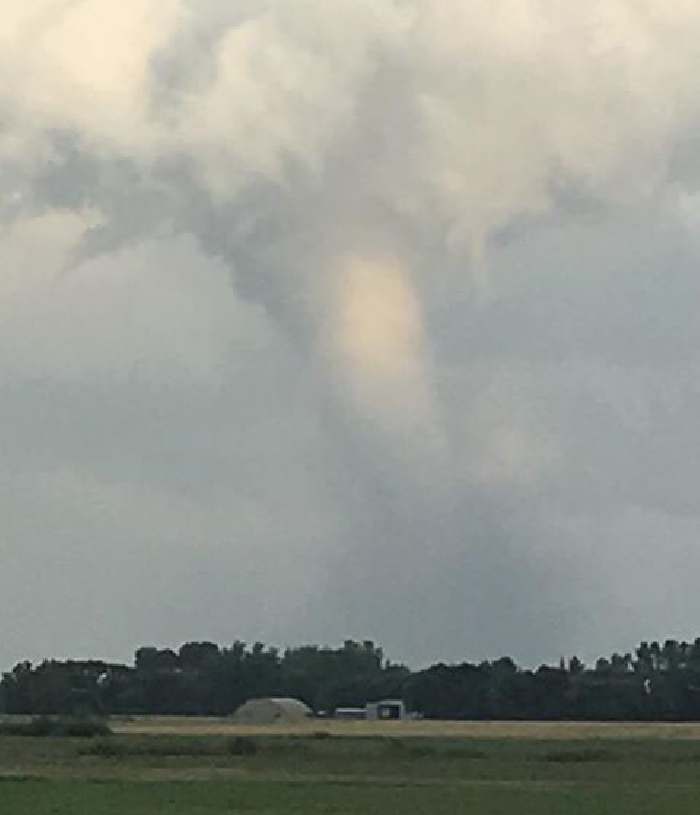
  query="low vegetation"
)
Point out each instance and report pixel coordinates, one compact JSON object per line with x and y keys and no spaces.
{"x":284,"y":774}
{"x":56,"y":727}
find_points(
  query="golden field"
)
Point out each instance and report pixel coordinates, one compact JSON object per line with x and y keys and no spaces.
{"x":201,"y":726}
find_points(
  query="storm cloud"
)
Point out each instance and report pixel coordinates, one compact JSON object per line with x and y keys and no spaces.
{"x":329,"y":319}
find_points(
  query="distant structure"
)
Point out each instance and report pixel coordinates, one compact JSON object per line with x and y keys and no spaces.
{"x":350,"y":713}
{"x":385,"y":710}
{"x":272,"y":711}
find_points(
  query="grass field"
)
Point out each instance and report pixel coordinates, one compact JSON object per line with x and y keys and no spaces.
{"x":414,"y":728}
{"x":198,"y":767}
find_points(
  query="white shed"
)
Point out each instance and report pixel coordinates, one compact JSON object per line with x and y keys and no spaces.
{"x":387,"y":709}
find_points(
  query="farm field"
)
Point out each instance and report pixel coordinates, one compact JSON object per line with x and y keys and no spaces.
{"x":175,"y":767}
{"x":210,"y":726}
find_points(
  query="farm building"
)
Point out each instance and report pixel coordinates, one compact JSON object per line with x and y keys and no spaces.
{"x":350,"y":713}
{"x":387,"y":709}
{"x":272,"y":711}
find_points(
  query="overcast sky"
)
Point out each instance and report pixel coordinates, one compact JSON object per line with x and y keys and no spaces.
{"x":349,"y":318}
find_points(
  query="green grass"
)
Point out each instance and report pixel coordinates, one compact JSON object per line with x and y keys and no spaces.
{"x":284,"y":775}
{"x":41,"y":797}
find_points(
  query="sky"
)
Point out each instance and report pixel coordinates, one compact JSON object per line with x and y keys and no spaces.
{"x":349,"y":318}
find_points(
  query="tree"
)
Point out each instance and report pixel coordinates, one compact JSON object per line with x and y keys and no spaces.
{"x":154,"y":659}
{"x":193,"y":655}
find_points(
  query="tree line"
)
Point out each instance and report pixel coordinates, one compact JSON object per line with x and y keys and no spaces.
{"x":656,"y":682}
